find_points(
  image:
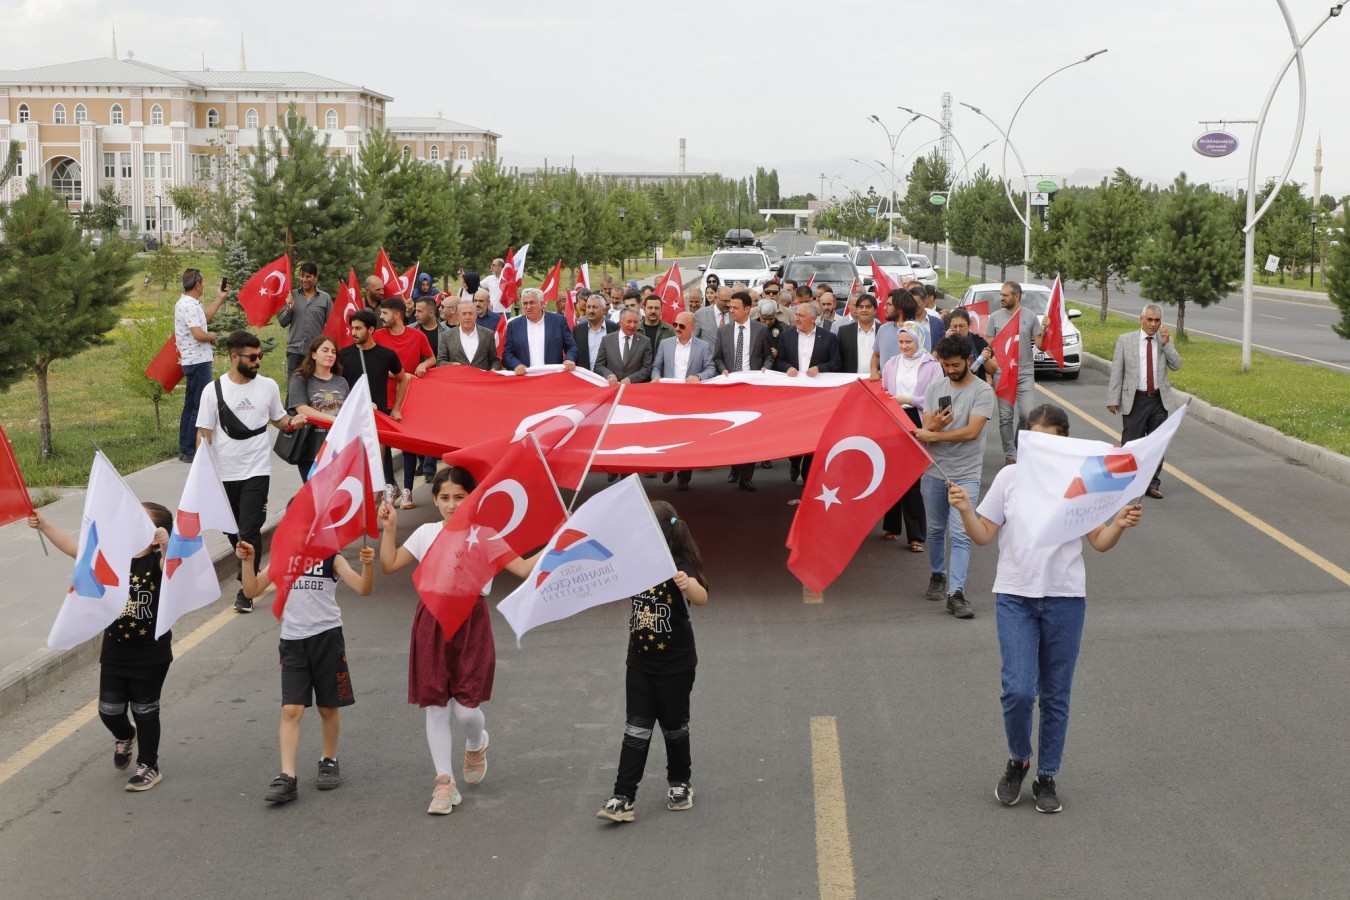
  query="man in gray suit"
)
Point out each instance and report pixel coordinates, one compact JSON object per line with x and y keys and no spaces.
{"x":470,"y":344}
{"x":1139,"y":388}
{"x":742,"y":346}
{"x":591,"y":330}
{"x":686,"y":359}
{"x":625,"y":355}
{"x":713,"y":316}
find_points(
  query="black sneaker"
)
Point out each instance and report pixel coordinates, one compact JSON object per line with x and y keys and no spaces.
{"x":122,"y":752}
{"x":281,"y":790}
{"x":958,"y":606}
{"x":330,"y":776}
{"x":617,"y":809}
{"x":1043,"y":790}
{"x":1009,"y":789}
{"x":937,"y":587}
{"x":242,"y":604}
{"x":146,"y":777}
{"x":680,"y":796}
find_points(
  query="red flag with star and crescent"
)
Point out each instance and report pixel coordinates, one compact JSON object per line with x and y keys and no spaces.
{"x":671,"y":291}
{"x":165,"y":367}
{"x":864,"y":463}
{"x":881,"y":283}
{"x":347,"y":301}
{"x":264,"y":295}
{"x":979,"y":318}
{"x":1054,"y":324}
{"x":407,"y":280}
{"x":384,"y":270}
{"x":511,"y":276}
{"x":1007,"y":346}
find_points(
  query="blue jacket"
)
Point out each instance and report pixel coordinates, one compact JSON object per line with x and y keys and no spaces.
{"x":559,"y":344}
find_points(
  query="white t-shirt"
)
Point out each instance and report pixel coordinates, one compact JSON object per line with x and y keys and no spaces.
{"x":188,"y":312}
{"x":311,"y":607}
{"x":1025,"y":570}
{"x":494,"y":289}
{"x":255,"y":404}
{"x":419,"y":542}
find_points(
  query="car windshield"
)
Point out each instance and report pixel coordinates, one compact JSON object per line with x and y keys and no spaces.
{"x":920,"y":262}
{"x":1035,"y":301}
{"x":831,"y":247}
{"x":841,"y":272}
{"x":882,"y":258}
{"x":770,"y":251}
{"x":738,"y":261}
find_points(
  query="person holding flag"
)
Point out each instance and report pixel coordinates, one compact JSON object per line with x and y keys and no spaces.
{"x":133,"y":663}
{"x":305,"y":315}
{"x":1040,"y":603}
{"x":1012,"y":418}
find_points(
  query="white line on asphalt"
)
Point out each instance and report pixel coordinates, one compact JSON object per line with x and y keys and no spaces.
{"x":1267,"y":316}
{"x":834,"y":852}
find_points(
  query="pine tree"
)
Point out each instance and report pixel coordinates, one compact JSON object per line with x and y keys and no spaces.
{"x":1338,"y":274}
{"x":1100,"y":243}
{"x":999,"y":233}
{"x":236,"y":267}
{"x":923,"y":219}
{"x":137,"y":345}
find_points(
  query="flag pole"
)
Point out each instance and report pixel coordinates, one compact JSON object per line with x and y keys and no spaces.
{"x":551,"y":480}
{"x":908,"y":433}
{"x":596,"y":449}
{"x":32,"y":511}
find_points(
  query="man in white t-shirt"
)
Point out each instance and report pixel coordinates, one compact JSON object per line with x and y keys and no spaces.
{"x":243,"y":450}
{"x":493,"y":283}
{"x":195,"y":348}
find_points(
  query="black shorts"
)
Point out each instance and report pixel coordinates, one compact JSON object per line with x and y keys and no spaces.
{"x":315,"y":669}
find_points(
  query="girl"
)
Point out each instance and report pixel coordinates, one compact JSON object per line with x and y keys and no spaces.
{"x":905,"y":377}
{"x":1040,"y":605}
{"x":313,"y":658}
{"x":448,"y":678}
{"x":133,"y":664}
{"x":660,"y":678}
{"x":316,"y":391}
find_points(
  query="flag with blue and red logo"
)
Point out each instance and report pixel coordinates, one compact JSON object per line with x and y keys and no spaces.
{"x":114,"y":528}
{"x":189,"y":580}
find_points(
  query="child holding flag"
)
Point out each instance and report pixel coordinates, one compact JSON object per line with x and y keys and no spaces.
{"x":313,"y":659}
{"x":660,"y":673}
{"x":132,"y":663}
{"x":1040,"y":606}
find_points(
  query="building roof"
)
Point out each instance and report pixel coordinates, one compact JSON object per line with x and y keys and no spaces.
{"x":432,"y":125}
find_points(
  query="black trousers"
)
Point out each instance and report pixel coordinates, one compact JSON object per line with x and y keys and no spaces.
{"x":1145,"y":417}
{"x":140,"y":690}
{"x":248,"y":501}
{"x":652,"y":699}
{"x":907,"y":516}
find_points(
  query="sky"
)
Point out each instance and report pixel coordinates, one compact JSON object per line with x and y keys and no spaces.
{"x":614,"y":86}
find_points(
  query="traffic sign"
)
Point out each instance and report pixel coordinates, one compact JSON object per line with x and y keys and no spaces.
{"x":937,"y":199}
{"x":871,"y":210}
{"x":1048,"y":186}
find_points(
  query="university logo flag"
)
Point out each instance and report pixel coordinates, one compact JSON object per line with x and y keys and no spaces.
{"x":1068,"y":486}
{"x":1007,"y":346}
{"x":114,"y":528}
{"x":189,"y":580}
{"x":671,"y":291}
{"x":264,"y":295}
{"x":165,"y":367}
{"x":384,"y":270}
{"x":611,"y":548}
{"x":347,"y":301}
{"x":355,"y":422}
{"x":15,"y":504}
{"x":1054,"y":324}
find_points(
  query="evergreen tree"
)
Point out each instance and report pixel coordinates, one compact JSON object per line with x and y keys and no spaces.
{"x":1047,"y":244}
{"x":926,"y":221}
{"x":11,"y":162}
{"x":1102,"y":238}
{"x":236,"y":267}
{"x":103,"y":216}
{"x":492,"y":216}
{"x":963,"y":218}
{"x":138,"y":343}
{"x":999,"y":233}
{"x":1338,"y":274}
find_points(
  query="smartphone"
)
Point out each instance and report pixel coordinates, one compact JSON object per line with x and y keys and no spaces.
{"x":223,"y":284}
{"x":944,"y":403}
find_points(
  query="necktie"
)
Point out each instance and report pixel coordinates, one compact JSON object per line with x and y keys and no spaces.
{"x":740,"y":348}
{"x":721,"y":318}
{"x":628,"y":348}
{"x":1148,"y":368}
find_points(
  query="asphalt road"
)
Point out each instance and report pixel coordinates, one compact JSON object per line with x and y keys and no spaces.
{"x":1205,"y":759}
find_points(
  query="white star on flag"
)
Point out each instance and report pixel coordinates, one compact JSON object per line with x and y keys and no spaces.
{"x":829,"y":496}
{"x":473,"y":535}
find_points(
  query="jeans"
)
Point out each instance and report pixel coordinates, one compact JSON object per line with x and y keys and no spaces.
{"x":197,"y":378}
{"x":1007,"y":429}
{"x":1038,"y":639}
{"x":943,"y":518}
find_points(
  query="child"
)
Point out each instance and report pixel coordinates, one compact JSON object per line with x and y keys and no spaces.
{"x":133,"y":664}
{"x":1040,"y":605}
{"x":448,"y":678}
{"x":313,"y":659}
{"x":660,"y":678}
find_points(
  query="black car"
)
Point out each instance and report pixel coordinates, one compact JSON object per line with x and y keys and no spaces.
{"x":836,"y":271}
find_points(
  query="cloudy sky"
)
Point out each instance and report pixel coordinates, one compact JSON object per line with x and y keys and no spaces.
{"x":789,"y":85}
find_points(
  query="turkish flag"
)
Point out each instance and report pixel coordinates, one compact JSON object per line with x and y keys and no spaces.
{"x":323,"y":517}
{"x":671,"y":291}
{"x":264,"y":295}
{"x":513,"y":274}
{"x":979,"y":318}
{"x":584,"y":276}
{"x":501,"y":335}
{"x":865,"y":461}
{"x":1054,"y":324}
{"x":407,"y":280}
{"x":165,"y":367}
{"x":347,"y":301}
{"x":881,"y":284}
{"x":15,"y":504}
{"x":550,"y":285}
{"x":1007,"y":352}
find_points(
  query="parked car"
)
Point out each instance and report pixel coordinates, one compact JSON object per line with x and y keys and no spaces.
{"x":838,"y":272}
{"x":923,"y":269}
{"x":773,"y":253}
{"x":1036,"y":300}
{"x":831,"y":248}
{"x":149,"y":242}
{"x":744,"y":265}
{"x":894,"y":263}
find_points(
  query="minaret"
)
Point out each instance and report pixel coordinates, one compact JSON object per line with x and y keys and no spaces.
{"x":242,"y":66}
{"x":114,"y":42}
{"x":1317,"y":173}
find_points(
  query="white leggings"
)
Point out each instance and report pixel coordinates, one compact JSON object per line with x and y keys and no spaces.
{"x":438,"y":732}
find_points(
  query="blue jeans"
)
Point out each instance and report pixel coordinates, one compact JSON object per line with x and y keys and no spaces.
{"x":943,"y":518}
{"x":1038,"y":638}
{"x":196,"y":377}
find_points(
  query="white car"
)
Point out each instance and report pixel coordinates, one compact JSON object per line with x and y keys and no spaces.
{"x":1036,"y":300}
{"x":923,"y":269}
{"x":739,"y":265}
{"x":831,"y":248}
{"x":893,"y":263}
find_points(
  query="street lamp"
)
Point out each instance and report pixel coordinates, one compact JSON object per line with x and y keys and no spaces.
{"x":893,"y":139}
{"x":1253,"y":216}
{"x":159,"y":217}
{"x":951,"y":183}
{"x":623,"y":211}
{"x":1026,"y":183}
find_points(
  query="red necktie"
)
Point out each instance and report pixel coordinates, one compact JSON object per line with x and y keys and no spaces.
{"x":1148,"y":351}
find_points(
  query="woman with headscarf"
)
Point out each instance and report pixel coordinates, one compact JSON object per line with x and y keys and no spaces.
{"x":471,"y":282}
{"x":906,"y":377}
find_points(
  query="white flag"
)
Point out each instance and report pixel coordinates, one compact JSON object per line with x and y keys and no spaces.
{"x":610,"y":549}
{"x":355,"y":420}
{"x":115,"y":527}
{"x":189,"y":580}
{"x":1066,"y":486}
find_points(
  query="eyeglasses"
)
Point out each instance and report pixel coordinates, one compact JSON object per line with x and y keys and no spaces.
{"x":771,"y":293}
{"x":680,"y":326}
{"x":251,"y":357}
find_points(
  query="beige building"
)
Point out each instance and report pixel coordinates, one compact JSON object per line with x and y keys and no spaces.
{"x":437,"y":139}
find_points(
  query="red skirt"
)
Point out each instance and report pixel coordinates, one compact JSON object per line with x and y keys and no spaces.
{"x":461,"y":668}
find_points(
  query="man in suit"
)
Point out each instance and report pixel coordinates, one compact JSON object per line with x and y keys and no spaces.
{"x":742,"y":346}
{"x":1140,"y":389}
{"x":538,"y":338}
{"x":858,"y":338}
{"x":687,"y":359}
{"x":468,"y":344}
{"x":713,"y":316}
{"x":626,"y":355}
{"x":806,"y":350}
{"x":591,"y":330}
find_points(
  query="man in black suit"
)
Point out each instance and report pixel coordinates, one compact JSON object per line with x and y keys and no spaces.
{"x":858,"y":338}
{"x":591,"y":330}
{"x":626,"y":355}
{"x":742,"y":346}
{"x":806,"y":350}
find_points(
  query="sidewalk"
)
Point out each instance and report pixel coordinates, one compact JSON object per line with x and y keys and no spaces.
{"x":37,"y":583}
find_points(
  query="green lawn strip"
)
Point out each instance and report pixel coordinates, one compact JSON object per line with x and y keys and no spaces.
{"x":1300,"y":400}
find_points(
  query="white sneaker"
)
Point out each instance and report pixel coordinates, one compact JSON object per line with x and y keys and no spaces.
{"x":445,"y":797}
{"x":390,"y":494}
{"x":406,"y":500}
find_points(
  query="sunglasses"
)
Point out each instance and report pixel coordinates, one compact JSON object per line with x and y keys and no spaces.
{"x":680,"y":326}
{"x":251,"y":357}
{"x":771,"y":293}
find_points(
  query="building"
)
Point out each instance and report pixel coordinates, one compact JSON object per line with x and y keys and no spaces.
{"x":439,"y":140}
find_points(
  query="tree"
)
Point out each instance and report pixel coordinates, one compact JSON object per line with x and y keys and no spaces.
{"x":236,"y":268}
{"x":963,"y":218}
{"x":105,"y":215}
{"x":163,"y":268}
{"x":11,"y":163}
{"x":999,"y":232}
{"x":1284,"y":231}
{"x":58,"y":294}
{"x":1047,"y":244}
{"x":926,"y":221}
{"x":137,"y":345}
{"x":1192,"y":255}
{"x":213,"y":206}
{"x":1338,"y":274}
{"x":1104,"y":234}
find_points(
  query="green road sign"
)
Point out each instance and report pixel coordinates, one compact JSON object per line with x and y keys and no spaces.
{"x":1047,"y":186}
{"x":871,"y":210}
{"x":937,"y":199}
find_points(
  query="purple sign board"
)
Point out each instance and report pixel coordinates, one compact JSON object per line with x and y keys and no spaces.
{"x":1215,"y":144}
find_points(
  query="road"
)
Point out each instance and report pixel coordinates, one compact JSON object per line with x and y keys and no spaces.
{"x":841,"y":748}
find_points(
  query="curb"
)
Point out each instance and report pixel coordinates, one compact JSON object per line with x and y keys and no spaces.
{"x":1321,"y":460}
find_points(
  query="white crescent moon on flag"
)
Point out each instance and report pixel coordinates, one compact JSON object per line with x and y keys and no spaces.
{"x":351,"y":486}
{"x":873,"y":451}
{"x":566,"y":412}
{"x":281,"y":284}
{"x":519,"y":502}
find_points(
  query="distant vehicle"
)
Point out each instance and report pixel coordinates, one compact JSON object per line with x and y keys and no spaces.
{"x":1036,"y":300}
{"x":149,"y":242}
{"x":839,"y":273}
{"x":893,"y":263}
{"x":739,"y":265}
{"x":831,"y":248}
{"x":773,"y":253}
{"x":740,"y":237}
{"x":923,"y":269}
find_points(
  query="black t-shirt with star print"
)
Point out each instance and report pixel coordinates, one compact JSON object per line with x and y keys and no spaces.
{"x":129,"y":643}
{"x":660,"y":635}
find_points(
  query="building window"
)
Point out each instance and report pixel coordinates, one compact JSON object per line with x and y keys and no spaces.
{"x":66,"y":179}
{"x":151,"y":219}
{"x":166,"y":166}
{"x":59,"y":114}
{"x":156,"y":115}
{"x":463,"y":151}
{"x":124,"y":164}
{"x":124,"y":222}
{"x":406,"y":151}
{"x":116,"y":114}
{"x":435,"y":152}
{"x":212,"y":118}
{"x":251,"y":119}
{"x":148,"y":166}
{"x":166,"y":217}
{"x":291,"y":117}
{"x":110,"y":165}
{"x":18,"y":171}
{"x":23,"y":112}
{"x":330,"y":120}
{"x":81,"y":114}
